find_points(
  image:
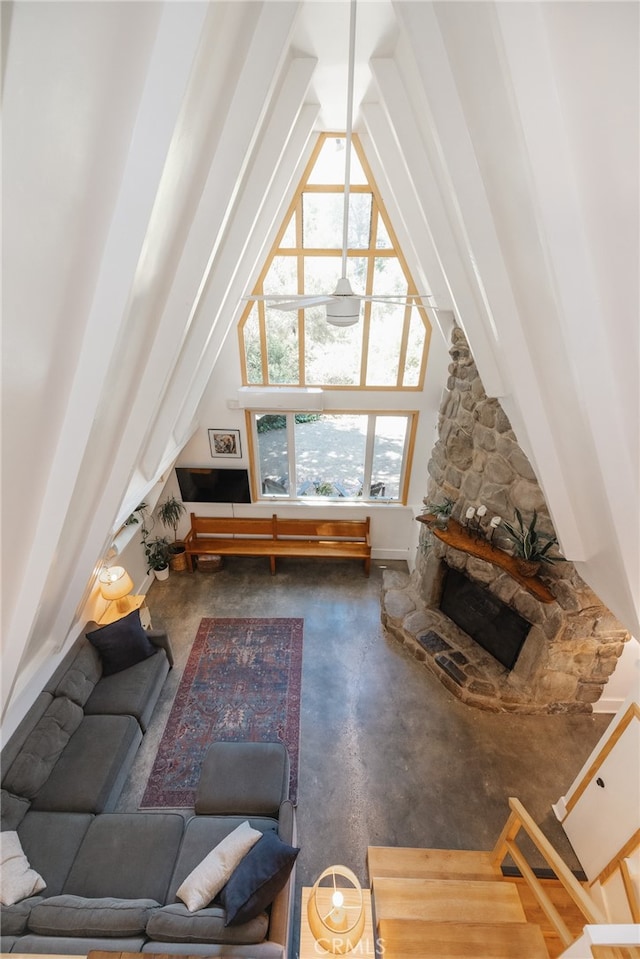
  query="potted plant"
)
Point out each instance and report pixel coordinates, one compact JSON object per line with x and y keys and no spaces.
{"x":440,"y":511}
{"x":170,"y":512}
{"x":157,"y":553}
{"x":530,"y":547}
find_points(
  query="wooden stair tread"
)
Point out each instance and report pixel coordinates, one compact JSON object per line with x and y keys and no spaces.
{"x":447,"y":900}
{"x":615,"y":952}
{"x":410,"y":939}
{"x":411,"y":863}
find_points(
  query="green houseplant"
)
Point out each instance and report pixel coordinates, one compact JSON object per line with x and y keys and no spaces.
{"x":170,"y":512}
{"x":530,"y":547}
{"x":440,"y":511}
{"x":157,"y":553}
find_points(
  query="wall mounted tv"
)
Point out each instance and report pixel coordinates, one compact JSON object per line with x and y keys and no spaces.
{"x":203,"y":485}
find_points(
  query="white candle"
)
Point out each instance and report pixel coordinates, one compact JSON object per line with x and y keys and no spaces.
{"x":470,"y":513}
{"x":481,"y":511}
{"x":496,"y":521}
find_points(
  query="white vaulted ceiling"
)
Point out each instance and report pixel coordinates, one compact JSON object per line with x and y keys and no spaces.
{"x":150,"y":150}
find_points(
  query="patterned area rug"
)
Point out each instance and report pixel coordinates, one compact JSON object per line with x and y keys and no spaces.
{"x":241,"y":682}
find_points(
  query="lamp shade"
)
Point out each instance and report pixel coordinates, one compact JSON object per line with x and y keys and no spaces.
{"x":335,"y":910}
{"x":115,"y":584}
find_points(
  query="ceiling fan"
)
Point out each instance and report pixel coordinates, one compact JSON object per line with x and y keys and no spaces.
{"x":342,"y":305}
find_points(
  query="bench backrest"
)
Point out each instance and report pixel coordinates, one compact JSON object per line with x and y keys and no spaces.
{"x":323,"y":529}
{"x":231,"y":525}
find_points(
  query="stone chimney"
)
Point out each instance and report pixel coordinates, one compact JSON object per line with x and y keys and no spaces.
{"x":574,"y":640}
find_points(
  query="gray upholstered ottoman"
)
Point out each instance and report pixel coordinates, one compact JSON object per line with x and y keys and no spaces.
{"x":243,"y":779}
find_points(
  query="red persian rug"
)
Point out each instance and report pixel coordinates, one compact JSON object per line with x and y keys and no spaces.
{"x":241,"y":682}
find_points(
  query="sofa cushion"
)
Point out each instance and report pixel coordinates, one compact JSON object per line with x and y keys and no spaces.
{"x":42,"y":748}
{"x":131,"y":692}
{"x":51,"y":841}
{"x":76,"y":945}
{"x":207,"y":879}
{"x":174,"y":923}
{"x":257,"y":880}
{"x":203,"y":833}
{"x":95,"y":761}
{"x":243,"y":779}
{"x":122,"y":644}
{"x":13,"y":809}
{"x":147,"y":842}
{"x":17,"y":879}
{"x":14,"y":919}
{"x":84,"y":672}
{"x":81,"y":916}
{"x":13,"y":746}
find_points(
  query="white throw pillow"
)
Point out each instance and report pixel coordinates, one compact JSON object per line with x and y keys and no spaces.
{"x":17,"y":879}
{"x":208,"y":878}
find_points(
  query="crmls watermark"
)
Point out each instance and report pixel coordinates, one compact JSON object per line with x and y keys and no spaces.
{"x":344,"y":948}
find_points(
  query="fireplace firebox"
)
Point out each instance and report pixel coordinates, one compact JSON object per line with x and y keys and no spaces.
{"x":488,"y":621}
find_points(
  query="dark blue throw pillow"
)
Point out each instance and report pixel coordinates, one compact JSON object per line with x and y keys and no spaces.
{"x":122,"y":644}
{"x":257,"y":880}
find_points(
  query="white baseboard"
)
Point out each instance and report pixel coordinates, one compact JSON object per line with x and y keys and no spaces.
{"x":605,"y":705}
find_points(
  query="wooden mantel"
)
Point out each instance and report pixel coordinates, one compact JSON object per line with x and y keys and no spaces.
{"x":459,"y":538}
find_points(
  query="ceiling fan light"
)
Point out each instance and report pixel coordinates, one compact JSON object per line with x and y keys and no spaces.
{"x":343,"y":312}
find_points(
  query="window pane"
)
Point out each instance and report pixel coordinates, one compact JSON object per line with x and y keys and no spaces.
{"x":252,"y":350}
{"x":282,"y":276}
{"x":359,"y":221}
{"x":383,"y":240}
{"x":282,"y":346}
{"x":330,"y":453}
{"x":329,"y":167}
{"x":385,"y":339}
{"x":388,"y":455}
{"x":321,"y":273}
{"x":322,"y":220}
{"x":289,"y":235}
{"x":388,"y":276}
{"x":332,"y":354}
{"x":415,"y":346}
{"x":273,"y":454}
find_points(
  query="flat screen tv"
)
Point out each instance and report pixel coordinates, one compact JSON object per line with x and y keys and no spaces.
{"x":203,"y":485}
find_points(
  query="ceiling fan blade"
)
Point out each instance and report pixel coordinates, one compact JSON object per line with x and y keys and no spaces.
{"x":300,"y":303}
{"x":393,"y":301}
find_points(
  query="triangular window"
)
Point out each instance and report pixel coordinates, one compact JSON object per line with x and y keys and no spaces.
{"x":388,"y":346}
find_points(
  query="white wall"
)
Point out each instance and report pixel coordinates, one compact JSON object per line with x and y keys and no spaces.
{"x":527,"y":115}
{"x":602,"y":818}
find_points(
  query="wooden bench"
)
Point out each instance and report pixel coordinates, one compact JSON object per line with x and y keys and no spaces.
{"x":273,"y":537}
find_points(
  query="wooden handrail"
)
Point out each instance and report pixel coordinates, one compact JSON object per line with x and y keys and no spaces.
{"x":518,"y":819}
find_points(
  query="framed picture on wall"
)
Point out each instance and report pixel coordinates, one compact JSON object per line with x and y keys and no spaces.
{"x":225,"y":443}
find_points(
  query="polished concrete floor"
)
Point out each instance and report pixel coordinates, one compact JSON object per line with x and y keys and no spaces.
{"x":387,"y":755}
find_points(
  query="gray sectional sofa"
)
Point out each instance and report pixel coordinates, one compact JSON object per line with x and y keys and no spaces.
{"x":111,"y":878}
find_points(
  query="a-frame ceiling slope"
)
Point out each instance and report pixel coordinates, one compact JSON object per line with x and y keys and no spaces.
{"x":515,"y":203}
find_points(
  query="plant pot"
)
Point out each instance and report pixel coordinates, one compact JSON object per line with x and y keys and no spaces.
{"x":527,"y":567}
{"x":161,"y":574}
{"x":177,"y":557}
{"x":441,"y":522}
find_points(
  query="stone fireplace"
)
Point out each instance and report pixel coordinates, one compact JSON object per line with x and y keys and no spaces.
{"x":570,"y":641}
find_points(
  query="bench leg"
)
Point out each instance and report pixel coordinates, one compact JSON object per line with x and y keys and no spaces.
{"x":272,"y":565}
{"x":367,"y":566}
{"x":189,"y":562}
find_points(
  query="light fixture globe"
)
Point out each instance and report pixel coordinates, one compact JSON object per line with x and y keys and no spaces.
{"x":344,"y":307}
{"x":335,"y":910}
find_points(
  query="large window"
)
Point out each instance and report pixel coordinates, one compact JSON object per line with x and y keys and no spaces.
{"x":335,"y":456}
{"x":387,"y":349}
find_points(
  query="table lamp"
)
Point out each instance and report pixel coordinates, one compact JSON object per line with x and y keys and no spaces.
{"x":335,"y":911}
{"x":115,"y":586}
